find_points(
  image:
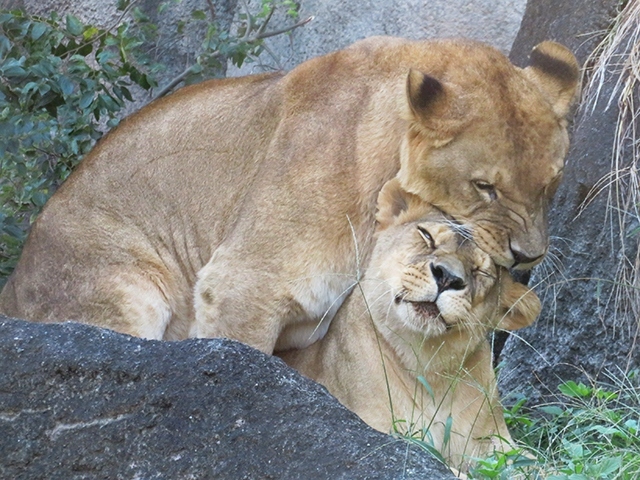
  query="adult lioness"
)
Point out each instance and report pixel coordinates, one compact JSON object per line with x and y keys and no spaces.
{"x":227,"y":208}
{"x":424,"y":307}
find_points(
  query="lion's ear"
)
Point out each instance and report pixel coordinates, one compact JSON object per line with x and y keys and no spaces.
{"x":555,"y":70}
{"x":520,"y":304}
{"x":393,"y":202}
{"x":434,"y":106}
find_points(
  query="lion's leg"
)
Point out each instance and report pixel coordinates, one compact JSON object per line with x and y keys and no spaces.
{"x":238,"y":304}
{"x":269,"y":297}
{"x":145,"y":312}
{"x":475,"y":408}
{"x":128,"y":301}
{"x":235,"y":299}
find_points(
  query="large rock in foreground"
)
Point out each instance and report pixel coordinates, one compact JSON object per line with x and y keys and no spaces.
{"x":81,"y":402}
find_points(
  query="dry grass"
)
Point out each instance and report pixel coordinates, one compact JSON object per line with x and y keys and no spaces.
{"x":618,"y":57}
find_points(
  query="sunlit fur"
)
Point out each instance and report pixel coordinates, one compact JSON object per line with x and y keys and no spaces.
{"x":388,"y":334}
{"x":233,"y":208}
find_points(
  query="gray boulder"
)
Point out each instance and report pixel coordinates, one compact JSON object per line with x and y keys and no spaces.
{"x":338,"y":24}
{"x":81,"y":402}
{"x":582,"y":332}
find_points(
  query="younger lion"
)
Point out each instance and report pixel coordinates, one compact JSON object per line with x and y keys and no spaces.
{"x":409,"y":351}
{"x":228,"y":209}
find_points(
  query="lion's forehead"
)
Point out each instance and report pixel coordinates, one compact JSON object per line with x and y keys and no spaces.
{"x":538,"y":152}
{"x":522,"y":159}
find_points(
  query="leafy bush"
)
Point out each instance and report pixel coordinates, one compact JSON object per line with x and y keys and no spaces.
{"x":592,"y":433}
{"x":62,"y":83}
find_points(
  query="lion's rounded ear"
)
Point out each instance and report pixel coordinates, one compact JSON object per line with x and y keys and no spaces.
{"x":520,"y":304}
{"x":393,"y":201}
{"x":555,"y":70}
{"x":434,"y":106}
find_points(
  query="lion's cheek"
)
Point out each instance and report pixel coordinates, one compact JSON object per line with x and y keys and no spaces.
{"x":494,"y":242}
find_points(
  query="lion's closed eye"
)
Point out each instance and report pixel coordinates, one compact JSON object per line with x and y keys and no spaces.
{"x":426,"y":236}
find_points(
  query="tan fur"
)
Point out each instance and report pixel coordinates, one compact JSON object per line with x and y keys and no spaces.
{"x":226,"y":209}
{"x":386,"y":335}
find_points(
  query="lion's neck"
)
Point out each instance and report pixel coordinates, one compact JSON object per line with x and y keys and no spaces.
{"x":373,"y":372}
{"x":431,"y":357}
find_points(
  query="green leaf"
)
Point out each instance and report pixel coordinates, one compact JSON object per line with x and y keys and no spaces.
{"x":14,"y":71}
{"x":141,"y":79}
{"x":44,"y":88}
{"x":552,"y":410}
{"x":108,"y":103}
{"x":85,"y":49}
{"x":28,"y":87}
{"x":605,"y":430}
{"x":90,"y":32}
{"x":426,"y":386}
{"x":632,"y":425}
{"x":39,"y":199}
{"x":14,"y":231}
{"x":86,"y":100}
{"x":575,"y":450}
{"x":606,"y":466}
{"x":447,"y":432}
{"x":198,"y":15}
{"x":74,"y":26}
{"x":105,"y":56}
{"x":5,"y":45}
{"x":574,"y":390}
{"x":126,"y":94}
{"x":38,"y":30}
{"x":66,"y":85}
{"x":6,"y":17}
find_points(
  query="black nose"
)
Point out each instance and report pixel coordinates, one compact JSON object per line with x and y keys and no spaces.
{"x":445,"y":279}
{"x":521,"y":258}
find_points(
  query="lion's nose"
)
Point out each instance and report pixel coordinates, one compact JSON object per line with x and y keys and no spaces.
{"x":445,"y":279}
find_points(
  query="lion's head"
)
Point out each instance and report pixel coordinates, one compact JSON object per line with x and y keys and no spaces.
{"x":486,"y":143}
{"x":430,"y":282}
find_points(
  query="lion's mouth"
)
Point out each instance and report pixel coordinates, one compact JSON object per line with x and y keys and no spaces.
{"x":428,"y":312}
{"x":426,"y":309}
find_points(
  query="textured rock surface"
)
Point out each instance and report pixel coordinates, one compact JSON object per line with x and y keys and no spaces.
{"x":578,"y":24}
{"x":577,"y":331}
{"x":338,"y":23}
{"x":81,"y":402}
